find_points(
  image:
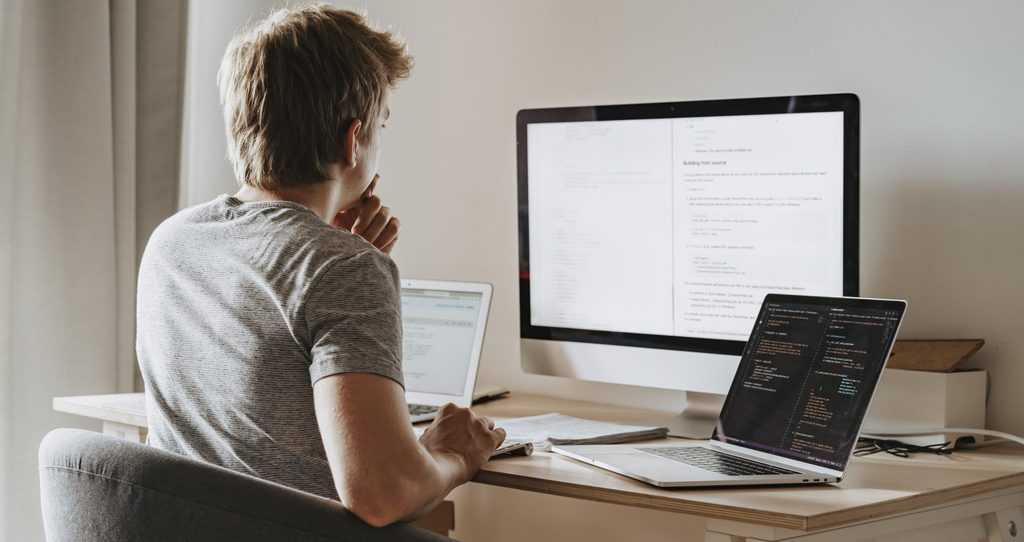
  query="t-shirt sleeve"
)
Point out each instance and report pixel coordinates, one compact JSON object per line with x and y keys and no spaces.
{"x":354,"y":319}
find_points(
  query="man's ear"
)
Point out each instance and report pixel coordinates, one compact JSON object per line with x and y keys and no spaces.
{"x":351,"y":143}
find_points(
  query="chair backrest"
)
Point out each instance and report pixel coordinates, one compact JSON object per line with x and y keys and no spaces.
{"x":96,"y":487}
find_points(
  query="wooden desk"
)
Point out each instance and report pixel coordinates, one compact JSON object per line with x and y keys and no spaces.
{"x":971,"y":496}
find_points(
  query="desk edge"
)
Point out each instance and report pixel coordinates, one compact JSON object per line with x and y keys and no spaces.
{"x":68,"y":405}
{"x":721,"y":511}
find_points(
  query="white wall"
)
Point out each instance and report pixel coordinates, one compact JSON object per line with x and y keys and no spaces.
{"x":942,"y":162}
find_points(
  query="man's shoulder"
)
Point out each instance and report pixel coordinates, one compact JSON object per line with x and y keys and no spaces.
{"x":334,"y":263}
{"x":184,"y":220}
{"x":310,"y":251}
{"x":276,"y":236}
{"x":322,"y":246}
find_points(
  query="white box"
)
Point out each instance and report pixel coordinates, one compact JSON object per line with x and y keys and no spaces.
{"x":907,"y":400}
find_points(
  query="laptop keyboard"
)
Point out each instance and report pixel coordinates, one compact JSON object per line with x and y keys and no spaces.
{"x":715,"y":461}
{"x":416,"y":410}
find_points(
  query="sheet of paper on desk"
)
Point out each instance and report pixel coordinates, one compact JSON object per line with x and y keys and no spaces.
{"x":548,"y":429}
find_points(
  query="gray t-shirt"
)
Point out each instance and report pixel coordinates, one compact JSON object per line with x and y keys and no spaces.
{"x":241,"y":308}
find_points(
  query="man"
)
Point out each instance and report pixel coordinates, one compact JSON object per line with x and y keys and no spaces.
{"x":269,"y":326}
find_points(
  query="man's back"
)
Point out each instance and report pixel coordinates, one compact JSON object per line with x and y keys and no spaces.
{"x":242,"y":307}
{"x":269,"y":335}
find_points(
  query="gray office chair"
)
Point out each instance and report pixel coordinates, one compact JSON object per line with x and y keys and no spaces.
{"x":96,"y":487}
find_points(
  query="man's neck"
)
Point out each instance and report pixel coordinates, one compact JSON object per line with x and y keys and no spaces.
{"x":322,"y":198}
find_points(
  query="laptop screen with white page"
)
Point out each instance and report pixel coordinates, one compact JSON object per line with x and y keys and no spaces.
{"x":442,"y":333}
{"x":807,"y":375}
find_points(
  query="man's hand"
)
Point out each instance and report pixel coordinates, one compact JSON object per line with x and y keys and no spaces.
{"x":460,"y":432}
{"x":370,"y":220}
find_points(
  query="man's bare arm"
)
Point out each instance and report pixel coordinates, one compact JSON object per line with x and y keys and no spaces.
{"x":381,"y":471}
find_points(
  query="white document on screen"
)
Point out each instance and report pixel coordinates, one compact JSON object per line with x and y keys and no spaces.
{"x":601,"y":225}
{"x":681,"y":226}
{"x":438,"y":328}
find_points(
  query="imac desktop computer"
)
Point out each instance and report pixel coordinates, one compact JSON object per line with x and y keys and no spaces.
{"x":649,"y":234}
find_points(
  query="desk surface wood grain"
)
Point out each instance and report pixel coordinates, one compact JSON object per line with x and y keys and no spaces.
{"x":873,"y":487}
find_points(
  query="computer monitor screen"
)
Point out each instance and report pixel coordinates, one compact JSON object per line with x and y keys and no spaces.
{"x":665,"y":225}
{"x":807,"y":375}
{"x":439,"y":328}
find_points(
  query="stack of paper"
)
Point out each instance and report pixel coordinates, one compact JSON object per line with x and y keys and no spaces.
{"x":550,"y":429}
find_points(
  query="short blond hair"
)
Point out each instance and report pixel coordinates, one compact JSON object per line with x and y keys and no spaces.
{"x":292,"y":84}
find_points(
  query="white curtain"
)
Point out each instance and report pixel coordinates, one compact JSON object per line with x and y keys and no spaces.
{"x":71,"y":156}
{"x":8,"y":65}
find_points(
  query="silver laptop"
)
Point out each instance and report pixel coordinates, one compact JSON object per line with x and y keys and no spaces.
{"x":443,"y":324}
{"x":796,"y":404}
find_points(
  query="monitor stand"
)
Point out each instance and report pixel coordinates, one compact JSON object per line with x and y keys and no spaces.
{"x":699,"y":415}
